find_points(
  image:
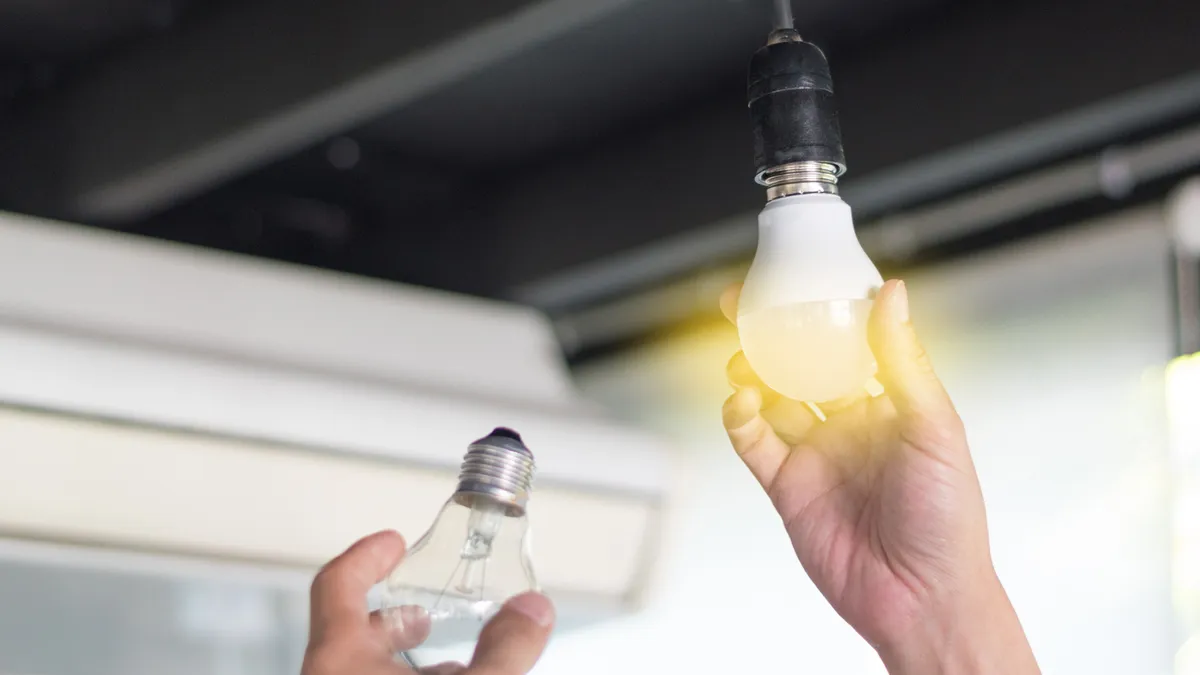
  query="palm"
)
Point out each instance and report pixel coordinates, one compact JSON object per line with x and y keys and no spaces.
{"x":872,"y":517}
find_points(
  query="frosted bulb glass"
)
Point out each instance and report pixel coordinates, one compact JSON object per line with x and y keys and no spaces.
{"x":472,"y":559}
{"x":803,"y":311}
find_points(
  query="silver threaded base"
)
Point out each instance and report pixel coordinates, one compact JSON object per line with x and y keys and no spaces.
{"x":501,"y":474}
{"x":800,"y":178}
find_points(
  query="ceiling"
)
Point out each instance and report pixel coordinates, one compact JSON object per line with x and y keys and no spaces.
{"x":497,"y":146}
{"x":44,"y":41}
{"x":639,"y":60}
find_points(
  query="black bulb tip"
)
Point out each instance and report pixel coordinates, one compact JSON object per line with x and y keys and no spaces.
{"x":505,"y":432}
{"x":506,"y":438}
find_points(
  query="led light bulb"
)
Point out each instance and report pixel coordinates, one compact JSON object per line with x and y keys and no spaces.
{"x":473,"y":558}
{"x":802,"y":315}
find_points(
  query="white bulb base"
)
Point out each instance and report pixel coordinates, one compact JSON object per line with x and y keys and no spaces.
{"x":808,"y":252}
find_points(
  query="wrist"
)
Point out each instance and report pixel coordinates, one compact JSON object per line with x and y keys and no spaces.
{"x":977,"y":633}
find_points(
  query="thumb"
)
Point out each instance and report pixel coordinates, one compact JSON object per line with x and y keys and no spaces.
{"x":514,"y":639}
{"x":904,"y":367}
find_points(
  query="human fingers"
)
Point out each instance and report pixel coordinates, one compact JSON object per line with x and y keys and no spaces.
{"x":740,"y":375}
{"x":402,"y":628}
{"x":752,"y":435}
{"x":908,"y":378}
{"x":791,"y":419}
{"x":513,"y":641}
{"x":905,"y":369}
{"x":339,"y":591}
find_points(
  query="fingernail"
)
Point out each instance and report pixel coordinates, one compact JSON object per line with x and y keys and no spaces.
{"x":535,"y":606}
{"x":409,"y":626}
{"x":900,"y":302}
{"x":384,"y":545}
{"x":389,"y":537}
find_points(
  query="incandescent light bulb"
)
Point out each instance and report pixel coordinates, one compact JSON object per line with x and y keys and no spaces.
{"x":474,"y":556}
{"x":802,"y":314}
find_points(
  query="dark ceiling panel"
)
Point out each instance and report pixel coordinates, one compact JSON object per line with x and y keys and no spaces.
{"x":599,"y":130}
{"x":44,"y":43}
{"x":648,"y":58}
{"x":224,"y":96}
{"x":947,"y":82}
{"x":614,"y":81}
{"x":61,"y":29}
{"x":557,"y":93}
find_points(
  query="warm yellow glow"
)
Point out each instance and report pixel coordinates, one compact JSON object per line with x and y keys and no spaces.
{"x":812,"y":351}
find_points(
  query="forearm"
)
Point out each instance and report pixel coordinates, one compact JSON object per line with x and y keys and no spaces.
{"x":979,"y":637}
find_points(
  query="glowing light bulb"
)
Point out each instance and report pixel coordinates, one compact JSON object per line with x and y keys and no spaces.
{"x":803,"y":312}
{"x":802,"y":315}
{"x":473,"y":558}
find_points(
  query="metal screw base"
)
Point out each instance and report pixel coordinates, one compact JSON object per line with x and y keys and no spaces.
{"x":499,"y":470}
{"x":800,"y":178}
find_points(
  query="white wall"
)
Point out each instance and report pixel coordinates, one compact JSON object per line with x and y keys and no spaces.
{"x":1054,"y":353}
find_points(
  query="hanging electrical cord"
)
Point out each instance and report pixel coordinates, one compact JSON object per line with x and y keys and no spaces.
{"x":783,"y":15}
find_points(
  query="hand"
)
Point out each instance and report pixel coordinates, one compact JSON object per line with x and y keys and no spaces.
{"x":883,"y":506}
{"x":345,"y":640}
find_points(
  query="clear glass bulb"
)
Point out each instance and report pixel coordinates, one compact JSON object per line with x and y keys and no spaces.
{"x":474,"y":557}
{"x":803,"y":311}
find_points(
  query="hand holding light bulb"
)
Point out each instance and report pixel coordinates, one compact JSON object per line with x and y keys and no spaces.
{"x":883,"y":505}
{"x":344,"y":639}
{"x":474,"y":557}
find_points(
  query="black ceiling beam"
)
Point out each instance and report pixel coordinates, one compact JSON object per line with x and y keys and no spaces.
{"x":979,"y":92}
{"x":247,"y":85}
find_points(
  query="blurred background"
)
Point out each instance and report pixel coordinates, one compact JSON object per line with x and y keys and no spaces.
{"x":266,"y":267}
